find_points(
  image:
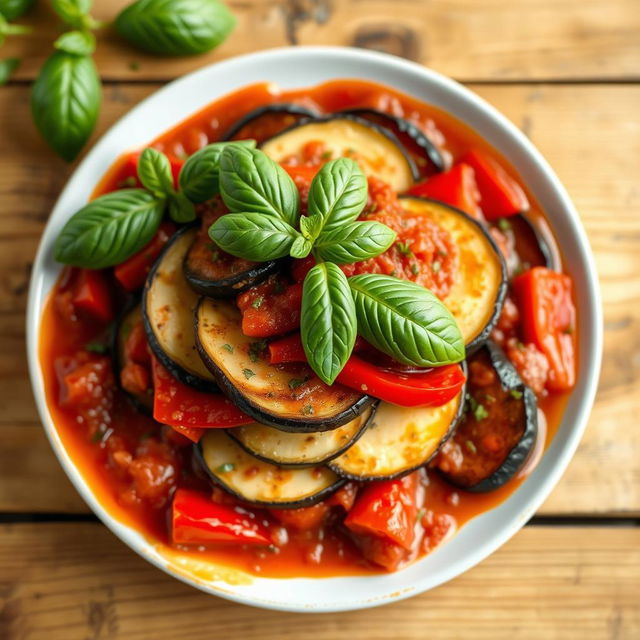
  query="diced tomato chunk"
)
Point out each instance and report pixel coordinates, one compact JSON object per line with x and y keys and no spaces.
{"x":135,"y":378}
{"x":92,"y":294}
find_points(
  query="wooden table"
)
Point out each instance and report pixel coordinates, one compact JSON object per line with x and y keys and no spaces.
{"x":567,"y":72}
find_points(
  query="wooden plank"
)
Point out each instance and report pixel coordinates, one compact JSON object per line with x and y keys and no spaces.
{"x":590,"y":134}
{"x":497,"y":40}
{"x":77,"y":581}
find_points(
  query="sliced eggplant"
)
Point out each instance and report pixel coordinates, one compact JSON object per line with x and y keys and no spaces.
{"x":299,"y":449}
{"x":265,"y":122}
{"x":480,"y":283}
{"x":217,"y":274}
{"x":426,"y":154}
{"x":398,"y":441}
{"x":290,"y":399}
{"x":498,"y":432}
{"x":261,"y":483}
{"x":377,"y":150}
{"x":130,"y":317}
{"x":168,"y":304}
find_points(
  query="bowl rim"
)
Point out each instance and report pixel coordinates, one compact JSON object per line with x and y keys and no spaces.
{"x":522,"y":151}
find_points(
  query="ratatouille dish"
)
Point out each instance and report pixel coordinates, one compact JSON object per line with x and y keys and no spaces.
{"x":308,"y":333}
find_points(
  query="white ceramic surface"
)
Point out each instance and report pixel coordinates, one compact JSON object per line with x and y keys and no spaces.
{"x":306,"y":66}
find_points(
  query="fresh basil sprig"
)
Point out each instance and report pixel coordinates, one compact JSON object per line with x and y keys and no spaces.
{"x":12,"y":9}
{"x":7,"y":29}
{"x":76,"y":13}
{"x":79,"y":43}
{"x":175,"y":27}
{"x":110,"y":229}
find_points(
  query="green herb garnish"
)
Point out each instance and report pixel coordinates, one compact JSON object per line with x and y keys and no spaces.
{"x":96,"y":347}
{"x":515,"y":393}
{"x":294,"y":383}
{"x":257,"y":303}
{"x":256,"y":348}
{"x":248,"y":373}
{"x":226,"y":467}
{"x":227,"y":347}
{"x":307,"y":410}
{"x":504,"y":224}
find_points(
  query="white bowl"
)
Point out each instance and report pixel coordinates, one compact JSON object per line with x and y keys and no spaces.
{"x":306,"y":66}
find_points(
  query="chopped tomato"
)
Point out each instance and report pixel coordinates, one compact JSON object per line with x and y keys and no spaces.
{"x":136,"y":346}
{"x":135,"y":378}
{"x":92,"y":294}
{"x":456,"y":187}
{"x":500,"y":195}
{"x":132,"y":273}
{"x":196,"y":519}
{"x":549,"y":321}
{"x":344,"y":497}
{"x":175,"y":403}
{"x":304,"y":518}
{"x":531,"y":363}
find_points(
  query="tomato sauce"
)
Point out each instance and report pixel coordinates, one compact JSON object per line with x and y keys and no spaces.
{"x":132,"y":464}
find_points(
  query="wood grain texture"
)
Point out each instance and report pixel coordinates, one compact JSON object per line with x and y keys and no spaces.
{"x":467,"y":39}
{"x":590,"y":135}
{"x":76,"y":581}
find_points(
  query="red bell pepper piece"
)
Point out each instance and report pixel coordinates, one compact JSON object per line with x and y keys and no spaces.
{"x":193,"y":433}
{"x":456,"y":187}
{"x":385,"y":513}
{"x":433,"y":388}
{"x":196,"y":519}
{"x":548,"y":318}
{"x":132,"y":273}
{"x":92,"y":294}
{"x":175,"y":403}
{"x":500,"y":194}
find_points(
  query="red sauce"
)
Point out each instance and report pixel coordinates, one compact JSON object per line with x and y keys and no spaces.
{"x":132,"y":464}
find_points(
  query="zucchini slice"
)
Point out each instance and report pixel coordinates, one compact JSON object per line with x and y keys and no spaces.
{"x":261,"y":483}
{"x":131,"y":316}
{"x":426,"y":154}
{"x":398,"y":441}
{"x":168,"y":304}
{"x":377,"y":150}
{"x":265,"y":122}
{"x":498,"y":432}
{"x":291,"y":399}
{"x":480,"y":284}
{"x":299,"y":449}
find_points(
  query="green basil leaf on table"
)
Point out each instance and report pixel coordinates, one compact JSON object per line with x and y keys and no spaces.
{"x":199,"y":177}
{"x":251,"y":181}
{"x":338,"y":193}
{"x":253,"y":236}
{"x":12,"y":9}
{"x":300,"y":248}
{"x":181,"y":209}
{"x":7,"y":67}
{"x":405,"y":321}
{"x":7,"y":29}
{"x":79,"y":43}
{"x":154,"y":171}
{"x":65,"y":101}
{"x":354,"y":241}
{"x":109,"y":229}
{"x":328,"y":320}
{"x":175,"y":27}
{"x":76,"y":13}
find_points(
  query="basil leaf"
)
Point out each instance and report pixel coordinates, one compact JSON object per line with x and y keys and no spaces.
{"x":175,"y":27}
{"x":328,"y":320}
{"x":109,"y":229}
{"x":406,"y":321}
{"x":253,"y":236}
{"x":354,"y":241}
{"x":251,"y":181}
{"x":7,"y":67}
{"x":12,"y":9}
{"x":154,"y":171}
{"x":181,"y":209}
{"x":338,"y":193}
{"x":65,"y":102}
{"x":300,"y":248}
{"x":7,"y":29}
{"x":310,"y":227}
{"x":76,"y":13}
{"x":79,"y":43}
{"x":199,"y":177}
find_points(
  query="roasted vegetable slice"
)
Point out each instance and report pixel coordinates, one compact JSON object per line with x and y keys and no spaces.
{"x":265,"y":122}
{"x":299,"y":449}
{"x":261,"y":483}
{"x":168,"y":305}
{"x":292,"y":400}
{"x":425,"y":153}
{"x":494,"y":439}
{"x":477,"y":294}
{"x":375,"y":148}
{"x":398,"y":440}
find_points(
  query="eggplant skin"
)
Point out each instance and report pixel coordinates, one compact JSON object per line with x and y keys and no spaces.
{"x":550,"y":256}
{"x":501,"y":290}
{"x":279,"y":107}
{"x":518,"y":455}
{"x":405,"y":127}
{"x":178,"y":371}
